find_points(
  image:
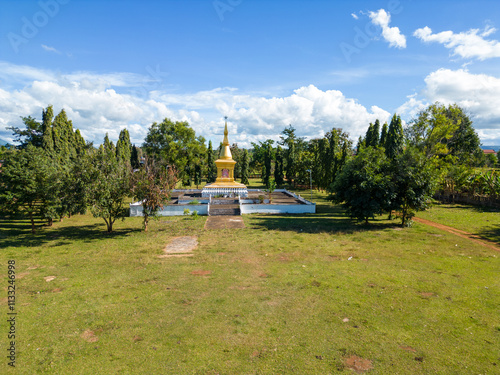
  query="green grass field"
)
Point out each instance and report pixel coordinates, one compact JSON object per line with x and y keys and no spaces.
{"x":285,"y":295}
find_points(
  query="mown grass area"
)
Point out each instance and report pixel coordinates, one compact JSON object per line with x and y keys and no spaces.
{"x":287,"y":294}
{"x":482,"y":221}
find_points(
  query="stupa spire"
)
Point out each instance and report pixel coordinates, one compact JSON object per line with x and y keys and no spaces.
{"x":225,"y":153}
{"x":226,"y":140}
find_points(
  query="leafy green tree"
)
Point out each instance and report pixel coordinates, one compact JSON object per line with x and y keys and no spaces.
{"x":75,"y":193}
{"x":414,"y":182}
{"x":498,"y":157}
{"x":151,"y":186}
{"x":279,"y":168}
{"x":177,"y":144}
{"x":363,"y":186}
{"x":29,"y":181}
{"x":395,"y":138}
{"x":31,"y":135}
{"x":123,"y":146}
{"x":245,"y":167}
{"x":293,"y":147}
{"x":443,"y":131}
{"x":108,"y":183}
{"x":262,"y":156}
{"x":491,"y":160}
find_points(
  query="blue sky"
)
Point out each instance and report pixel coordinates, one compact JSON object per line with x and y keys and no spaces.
{"x":264,"y":64}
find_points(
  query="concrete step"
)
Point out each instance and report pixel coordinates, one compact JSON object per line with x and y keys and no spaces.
{"x":224,"y":211}
{"x":224,"y":201}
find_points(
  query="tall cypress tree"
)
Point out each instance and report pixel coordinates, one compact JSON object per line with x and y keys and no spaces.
{"x":245,"y":163}
{"x":64,"y":139}
{"x":376,"y":134}
{"x":372,"y":135}
{"x":211,"y":167}
{"x":279,"y":167}
{"x":134,"y":158}
{"x":360,"y":145}
{"x":108,"y":146}
{"x":47,"y":137}
{"x":395,"y":138}
{"x":197,"y":175}
{"x":369,"y":135}
{"x":383,"y":135}
{"x":80,"y":145}
{"x":123,"y":146}
{"x":268,"y":157}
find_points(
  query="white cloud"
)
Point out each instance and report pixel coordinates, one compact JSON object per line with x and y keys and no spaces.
{"x":355,"y":16}
{"x":468,"y":44}
{"x":390,"y":34}
{"x":50,"y":49}
{"x":477,"y":93}
{"x":96,"y":107}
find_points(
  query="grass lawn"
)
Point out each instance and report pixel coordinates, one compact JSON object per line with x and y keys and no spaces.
{"x":286,"y":295}
{"x":483,"y":221}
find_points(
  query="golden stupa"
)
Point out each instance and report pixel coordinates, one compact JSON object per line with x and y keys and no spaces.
{"x":225,"y":184}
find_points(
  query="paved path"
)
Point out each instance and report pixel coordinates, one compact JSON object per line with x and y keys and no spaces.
{"x":224,"y":222}
{"x":460,"y":233}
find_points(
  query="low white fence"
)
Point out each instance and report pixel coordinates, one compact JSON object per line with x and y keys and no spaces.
{"x":278,"y":209}
{"x":171,"y":210}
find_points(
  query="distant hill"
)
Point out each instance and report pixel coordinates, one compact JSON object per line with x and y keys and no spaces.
{"x":2,"y":142}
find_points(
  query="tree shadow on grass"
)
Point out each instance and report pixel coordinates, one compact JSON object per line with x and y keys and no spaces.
{"x":491,"y":233}
{"x":326,"y":219}
{"x":16,"y":232}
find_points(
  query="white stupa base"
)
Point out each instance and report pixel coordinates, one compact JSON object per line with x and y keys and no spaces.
{"x":212,"y":191}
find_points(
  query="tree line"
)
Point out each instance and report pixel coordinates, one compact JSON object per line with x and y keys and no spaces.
{"x":54,"y":173}
{"x":399,"y":170}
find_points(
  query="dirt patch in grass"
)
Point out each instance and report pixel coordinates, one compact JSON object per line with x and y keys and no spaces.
{"x":224,"y":222}
{"x":201,"y":273}
{"x":49,"y":278}
{"x":358,"y":364}
{"x":460,"y":233}
{"x":89,"y":336}
{"x":427,"y":294}
{"x":180,"y":247}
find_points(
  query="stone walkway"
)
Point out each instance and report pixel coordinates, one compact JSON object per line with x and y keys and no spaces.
{"x":224,"y":222}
